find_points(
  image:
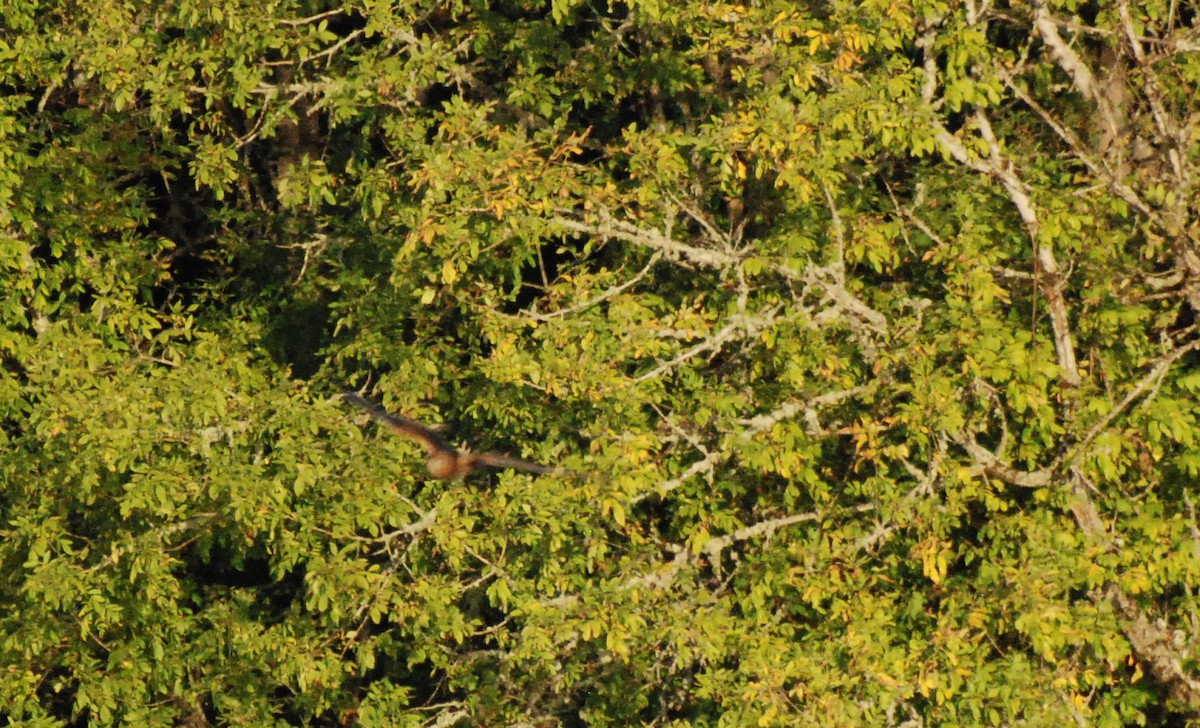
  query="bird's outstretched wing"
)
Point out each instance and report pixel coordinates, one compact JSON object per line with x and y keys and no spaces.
{"x":429,"y":439}
{"x":496,"y":460}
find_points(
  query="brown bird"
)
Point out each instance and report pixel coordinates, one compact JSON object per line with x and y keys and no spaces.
{"x":443,"y":459}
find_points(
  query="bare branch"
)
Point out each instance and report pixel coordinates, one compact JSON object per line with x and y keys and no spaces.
{"x":715,"y":235}
{"x":615,"y":290}
{"x":829,"y":279}
{"x":739,"y":327}
{"x":808,"y":408}
{"x":844,"y":301}
{"x":331,"y":50}
{"x":838,"y":233}
{"x":994,"y":466}
{"x":925,"y":43}
{"x":754,"y":426}
{"x":922,"y":489}
{"x":1080,"y":151}
{"x":707,"y":464}
{"x":313,"y":250}
{"x":660,"y":579}
{"x":1154,"y":375}
{"x":295,"y":90}
{"x":715,"y":546}
{"x":607,"y":227}
{"x":1162,"y":120}
{"x":1153,"y":645}
{"x":161,"y":535}
{"x":1002,"y":169}
{"x":1081,"y":74}
{"x":312,"y":18}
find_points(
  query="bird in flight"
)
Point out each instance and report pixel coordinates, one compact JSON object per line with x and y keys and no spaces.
{"x":443,"y":459}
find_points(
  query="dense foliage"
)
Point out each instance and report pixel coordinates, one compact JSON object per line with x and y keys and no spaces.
{"x":869,"y":327}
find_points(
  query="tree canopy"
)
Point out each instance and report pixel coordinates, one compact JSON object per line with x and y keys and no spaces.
{"x":869,"y":327}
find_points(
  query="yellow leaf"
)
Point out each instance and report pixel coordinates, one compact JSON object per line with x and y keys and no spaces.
{"x":449,"y":273}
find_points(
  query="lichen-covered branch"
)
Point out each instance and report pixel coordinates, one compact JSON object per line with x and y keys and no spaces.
{"x":607,"y":226}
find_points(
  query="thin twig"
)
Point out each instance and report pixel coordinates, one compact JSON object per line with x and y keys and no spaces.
{"x":749,"y":326}
{"x":312,"y":18}
{"x":615,"y":290}
{"x":1155,"y":374}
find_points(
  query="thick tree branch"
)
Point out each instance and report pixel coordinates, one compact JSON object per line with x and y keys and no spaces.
{"x":1150,"y":642}
{"x":808,"y":408}
{"x":1078,"y":148}
{"x":1002,"y":169}
{"x":839,"y":233}
{"x":715,"y":546}
{"x":608,"y":227}
{"x":1081,"y":74}
{"x":1167,"y":129}
{"x":1156,"y":648}
{"x":991,"y":464}
{"x":1171,"y":135}
{"x":996,"y":165}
